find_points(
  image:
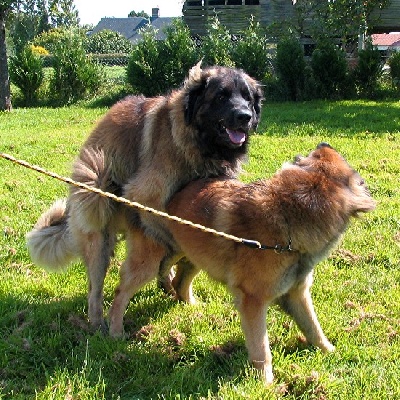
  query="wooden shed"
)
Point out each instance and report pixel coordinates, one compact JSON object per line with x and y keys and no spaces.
{"x":386,"y":20}
{"x":234,"y":14}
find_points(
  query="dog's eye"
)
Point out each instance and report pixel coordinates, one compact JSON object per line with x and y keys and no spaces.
{"x":246,"y":96}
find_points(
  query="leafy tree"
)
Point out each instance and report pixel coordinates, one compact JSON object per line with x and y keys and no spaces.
{"x":336,"y":19}
{"x":63,"y":13}
{"x":139,"y":14}
{"x":27,"y":18}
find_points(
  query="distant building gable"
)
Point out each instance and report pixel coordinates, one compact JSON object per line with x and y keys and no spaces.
{"x":130,"y":27}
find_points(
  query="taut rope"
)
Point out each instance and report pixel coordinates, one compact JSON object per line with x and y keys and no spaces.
{"x":250,"y":243}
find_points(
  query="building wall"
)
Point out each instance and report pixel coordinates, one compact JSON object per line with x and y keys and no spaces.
{"x":234,"y":14}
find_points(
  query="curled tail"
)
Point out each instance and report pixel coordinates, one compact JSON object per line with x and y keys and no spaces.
{"x":51,"y":243}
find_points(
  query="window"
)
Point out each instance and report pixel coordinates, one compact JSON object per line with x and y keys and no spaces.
{"x":252,"y":2}
{"x":235,"y":2}
{"x":216,"y":2}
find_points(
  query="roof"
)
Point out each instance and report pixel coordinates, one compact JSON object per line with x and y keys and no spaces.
{"x":386,"y":40}
{"x":130,"y":27}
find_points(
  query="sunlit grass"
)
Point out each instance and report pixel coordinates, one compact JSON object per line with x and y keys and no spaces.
{"x":178,"y":351}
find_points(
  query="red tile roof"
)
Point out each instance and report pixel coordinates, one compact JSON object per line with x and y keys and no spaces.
{"x":386,"y":39}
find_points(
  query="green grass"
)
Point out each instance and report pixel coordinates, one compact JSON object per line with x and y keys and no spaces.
{"x":177,"y":351}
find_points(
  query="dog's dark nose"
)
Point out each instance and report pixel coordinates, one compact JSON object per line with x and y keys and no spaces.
{"x":324,"y":144}
{"x":243,"y":116}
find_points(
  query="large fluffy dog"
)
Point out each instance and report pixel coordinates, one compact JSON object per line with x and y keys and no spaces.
{"x":307,"y":204}
{"x":146,"y":149}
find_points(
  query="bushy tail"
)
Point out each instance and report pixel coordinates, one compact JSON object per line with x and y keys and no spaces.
{"x":50,"y":243}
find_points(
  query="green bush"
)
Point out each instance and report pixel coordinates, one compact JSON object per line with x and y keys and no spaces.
{"x":26,"y":72}
{"x":290,"y":66}
{"x":178,"y":53}
{"x":251,"y":51}
{"x":394,"y":64}
{"x":368,"y":70}
{"x":329,"y":67}
{"x":156,"y":66}
{"x":75,"y":75}
{"x":50,"y":39}
{"x":107,"y":42}
{"x":217,"y":45}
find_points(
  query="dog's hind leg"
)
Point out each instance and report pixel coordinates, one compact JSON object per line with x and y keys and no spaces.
{"x":141,"y":266}
{"x":297,"y":302}
{"x":98,"y":248}
{"x":182,"y":282}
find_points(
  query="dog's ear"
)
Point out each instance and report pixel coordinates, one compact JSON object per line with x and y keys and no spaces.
{"x":194,"y":88}
{"x":258,"y":98}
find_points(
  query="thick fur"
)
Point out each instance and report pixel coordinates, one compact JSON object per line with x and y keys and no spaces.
{"x":146,"y":149}
{"x":308,"y":202}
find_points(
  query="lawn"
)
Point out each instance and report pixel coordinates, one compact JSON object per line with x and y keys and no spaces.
{"x":178,"y":351}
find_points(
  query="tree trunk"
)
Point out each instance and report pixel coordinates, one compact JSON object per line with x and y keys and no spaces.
{"x":5,"y":95}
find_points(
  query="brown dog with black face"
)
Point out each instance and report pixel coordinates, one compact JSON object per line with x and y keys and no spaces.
{"x":146,"y":149}
{"x":307,"y":204}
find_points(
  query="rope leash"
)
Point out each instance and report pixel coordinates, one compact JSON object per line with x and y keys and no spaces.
{"x":254,"y":244}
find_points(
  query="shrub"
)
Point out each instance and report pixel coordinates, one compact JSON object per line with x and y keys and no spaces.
{"x":155,"y":66}
{"x":368,"y":70}
{"x":217,"y":45}
{"x":394,"y":64}
{"x":75,"y":75}
{"x":144,"y":70}
{"x":251,"y":51}
{"x":178,"y":53}
{"x":329,"y":67}
{"x":50,"y":39}
{"x":107,"y":42}
{"x":290,"y":66}
{"x":26,"y":72}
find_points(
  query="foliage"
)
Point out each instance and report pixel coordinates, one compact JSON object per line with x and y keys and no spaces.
{"x":217,"y":45}
{"x":63,"y":13}
{"x":329,"y":67}
{"x":157,"y":66}
{"x":368,"y":70}
{"x":290,"y":66}
{"x":178,"y":53}
{"x":50,"y":39}
{"x":75,"y":75}
{"x":107,"y":42}
{"x":39,"y":50}
{"x":144,"y":70}
{"x":394,"y":64}
{"x":26,"y":72}
{"x":251,"y":51}
{"x":336,"y":19}
{"x":141,"y":14}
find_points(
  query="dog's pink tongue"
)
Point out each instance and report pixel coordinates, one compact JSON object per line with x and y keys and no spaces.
{"x":236,"y":137}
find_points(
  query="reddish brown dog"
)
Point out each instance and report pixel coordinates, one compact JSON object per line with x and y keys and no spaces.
{"x":308,"y":203}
